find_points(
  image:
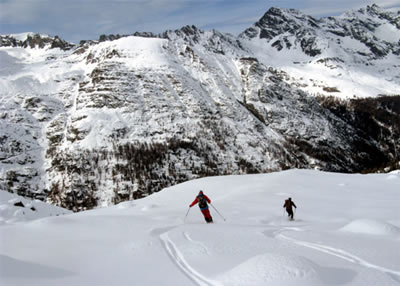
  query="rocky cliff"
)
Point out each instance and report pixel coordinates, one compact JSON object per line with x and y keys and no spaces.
{"x":105,"y":121}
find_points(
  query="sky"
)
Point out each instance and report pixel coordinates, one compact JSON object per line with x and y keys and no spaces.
{"x":75,"y":20}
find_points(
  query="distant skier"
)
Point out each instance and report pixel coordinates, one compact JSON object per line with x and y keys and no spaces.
{"x":203,"y":202}
{"x":288,"y":205}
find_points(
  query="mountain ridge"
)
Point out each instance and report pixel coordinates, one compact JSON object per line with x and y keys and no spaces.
{"x":120,"y":118}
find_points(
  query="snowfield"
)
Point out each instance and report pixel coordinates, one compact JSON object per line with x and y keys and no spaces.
{"x":14,"y":208}
{"x":346,"y":232}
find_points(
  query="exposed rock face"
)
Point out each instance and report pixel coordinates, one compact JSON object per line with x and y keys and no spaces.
{"x":31,"y":40}
{"x":120,"y":118}
{"x":290,"y":28}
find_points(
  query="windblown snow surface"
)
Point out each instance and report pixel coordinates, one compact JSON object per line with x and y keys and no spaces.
{"x":346,"y":232}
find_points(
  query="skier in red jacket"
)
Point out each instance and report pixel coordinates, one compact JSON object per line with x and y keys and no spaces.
{"x":203,"y":202}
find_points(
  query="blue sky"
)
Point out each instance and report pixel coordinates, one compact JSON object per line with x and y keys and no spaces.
{"x":76,"y":20}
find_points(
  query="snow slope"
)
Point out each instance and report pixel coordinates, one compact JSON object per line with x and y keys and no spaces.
{"x":331,"y":52}
{"x":346,"y":232}
{"x":14,"y":208}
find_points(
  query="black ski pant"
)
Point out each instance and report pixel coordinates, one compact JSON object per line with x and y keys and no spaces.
{"x":290,"y":213}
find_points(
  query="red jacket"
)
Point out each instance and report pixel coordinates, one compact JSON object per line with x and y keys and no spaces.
{"x":197,"y":200}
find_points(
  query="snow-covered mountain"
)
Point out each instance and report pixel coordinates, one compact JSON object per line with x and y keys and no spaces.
{"x":120,"y":118}
{"x":346,"y":232}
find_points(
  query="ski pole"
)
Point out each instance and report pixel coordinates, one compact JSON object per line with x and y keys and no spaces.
{"x":217,"y":212}
{"x":186,"y":215}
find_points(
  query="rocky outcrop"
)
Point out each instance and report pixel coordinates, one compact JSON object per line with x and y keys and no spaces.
{"x":288,"y":28}
{"x":35,"y":41}
{"x":121,"y":118}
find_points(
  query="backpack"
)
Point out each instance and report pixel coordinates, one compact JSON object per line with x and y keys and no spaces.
{"x":202,"y":202}
{"x":287,"y":204}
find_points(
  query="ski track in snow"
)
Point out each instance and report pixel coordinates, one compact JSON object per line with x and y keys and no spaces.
{"x":180,"y":261}
{"x":257,"y":246}
{"x":338,"y":253}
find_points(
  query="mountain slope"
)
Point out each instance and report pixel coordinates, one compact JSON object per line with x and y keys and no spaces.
{"x":355,"y":54}
{"x":120,"y":118}
{"x":14,"y":208}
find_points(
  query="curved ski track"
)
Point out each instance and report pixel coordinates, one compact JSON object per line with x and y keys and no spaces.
{"x":340,"y":254}
{"x":178,"y":258}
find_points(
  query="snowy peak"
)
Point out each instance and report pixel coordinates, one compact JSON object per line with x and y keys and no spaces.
{"x":376,"y":29}
{"x":134,"y":52}
{"x":277,"y":21}
{"x":379,"y":30}
{"x":374,"y":11}
{"x":32,"y":40}
{"x":188,"y":33}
